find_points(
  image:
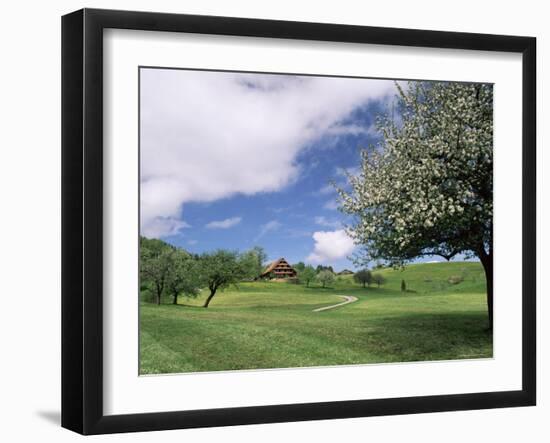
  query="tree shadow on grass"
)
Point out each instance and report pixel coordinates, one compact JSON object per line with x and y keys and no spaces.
{"x":423,"y":337}
{"x":443,"y":321}
{"x":183,"y":305}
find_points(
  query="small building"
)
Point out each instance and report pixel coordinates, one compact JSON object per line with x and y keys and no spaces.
{"x":345,"y":272}
{"x":279,"y":269}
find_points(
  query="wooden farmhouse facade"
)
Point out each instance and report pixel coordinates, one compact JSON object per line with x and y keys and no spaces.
{"x":279,"y":269}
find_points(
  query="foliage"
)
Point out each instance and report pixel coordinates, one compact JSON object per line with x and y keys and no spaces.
{"x":249,"y":263}
{"x":253,"y":262}
{"x":261,"y":259}
{"x":156,"y":259}
{"x":363,"y":277}
{"x":183,"y":276}
{"x":325,"y":277}
{"x":299,"y":267}
{"x":426,"y":189}
{"x":307,"y":275}
{"x":220,"y":269}
{"x":324,"y":268}
{"x":169,"y":271}
{"x":378,"y":279}
{"x":403,"y":286}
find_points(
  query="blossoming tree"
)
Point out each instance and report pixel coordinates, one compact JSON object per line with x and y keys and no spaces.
{"x":426,"y":188}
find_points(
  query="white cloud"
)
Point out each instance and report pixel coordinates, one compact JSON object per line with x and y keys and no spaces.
{"x":224,"y":224}
{"x":330,"y":245}
{"x":327,"y":189}
{"x":210,"y":135}
{"x":323,"y":221}
{"x":341,"y":129}
{"x":272,"y":225}
{"x":331,"y":205}
{"x":163,"y":227}
{"x":192,"y":242}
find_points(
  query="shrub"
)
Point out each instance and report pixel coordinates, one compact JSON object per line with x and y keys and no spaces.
{"x":403,"y":286}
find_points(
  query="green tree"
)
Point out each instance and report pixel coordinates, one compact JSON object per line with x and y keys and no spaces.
{"x":378,"y":279}
{"x":219,"y":270}
{"x":249,"y":263}
{"x":325,"y":277}
{"x":299,"y":267}
{"x":324,"y":268}
{"x":363,"y":277}
{"x":182,"y":277}
{"x":253,"y":261}
{"x":156,"y":259}
{"x":307,"y":275}
{"x":261,"y":259}
{"x":427,"y":188}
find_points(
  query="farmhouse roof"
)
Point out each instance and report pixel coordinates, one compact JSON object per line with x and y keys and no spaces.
{"x":274,"y":265}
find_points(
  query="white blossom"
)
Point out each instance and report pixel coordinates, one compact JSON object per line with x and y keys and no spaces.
{"x":427,"y":187}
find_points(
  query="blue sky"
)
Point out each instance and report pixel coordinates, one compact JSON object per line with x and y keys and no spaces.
{"x":233,"y":160}
{"x":284,"y":221}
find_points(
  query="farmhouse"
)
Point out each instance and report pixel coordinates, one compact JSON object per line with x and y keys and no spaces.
{"x":279,"y":269}
{"x":345,"y":272}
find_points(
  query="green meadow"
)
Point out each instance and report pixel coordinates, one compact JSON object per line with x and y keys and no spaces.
{"x":441,"y":316}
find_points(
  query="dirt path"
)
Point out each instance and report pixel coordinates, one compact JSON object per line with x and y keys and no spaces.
{"x":348,"y":299}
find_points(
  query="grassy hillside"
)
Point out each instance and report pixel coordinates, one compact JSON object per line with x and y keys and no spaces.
{"x":272,"y":325}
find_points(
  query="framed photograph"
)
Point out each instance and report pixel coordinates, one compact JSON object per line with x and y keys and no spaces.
{"x":269,"y":221}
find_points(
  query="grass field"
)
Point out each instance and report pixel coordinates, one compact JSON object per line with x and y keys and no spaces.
{"x":272,"y":324}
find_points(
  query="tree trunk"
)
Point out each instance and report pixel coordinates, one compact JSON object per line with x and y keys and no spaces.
{"x":175,"y":301}
{"x":159,"y":292}
{"x":487,"y":262}
{"x":210,"y":297}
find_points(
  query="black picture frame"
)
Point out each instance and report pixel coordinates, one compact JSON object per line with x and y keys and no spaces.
{"x":82,"y":219}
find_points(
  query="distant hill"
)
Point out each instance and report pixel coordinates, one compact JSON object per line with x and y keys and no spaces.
{"x":435,"y":277}
{"x":156,"y":244}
